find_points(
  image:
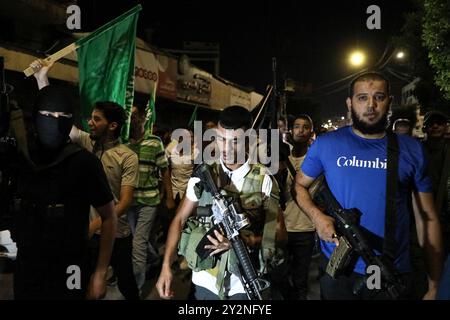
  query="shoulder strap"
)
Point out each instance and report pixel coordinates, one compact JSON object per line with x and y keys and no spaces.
{"x":389,"y":244}
{"x":291,"y":168}
{"x":204,"y":197}
{"x":254,"y":181}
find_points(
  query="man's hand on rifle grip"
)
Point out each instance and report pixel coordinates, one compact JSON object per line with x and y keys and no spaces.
{"x":325,"y":228}
{"x":218,"y":244}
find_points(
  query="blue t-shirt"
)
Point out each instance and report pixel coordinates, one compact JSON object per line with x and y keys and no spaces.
{"x":355,"y":169}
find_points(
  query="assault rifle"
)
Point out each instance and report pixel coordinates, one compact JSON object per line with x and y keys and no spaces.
{"x":353,"y":240}
{"x":230,"y":221}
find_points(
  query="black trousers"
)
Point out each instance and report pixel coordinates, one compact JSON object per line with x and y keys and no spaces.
{"x":165,"y":216}
{"x":342,"y":288}
{"x":300,"y":248}
{"x":43,"y":275}
{"x":121,"y":261}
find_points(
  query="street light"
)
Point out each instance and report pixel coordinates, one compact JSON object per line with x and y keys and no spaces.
{"x":357,"y":58}
{"x":400,"y":55}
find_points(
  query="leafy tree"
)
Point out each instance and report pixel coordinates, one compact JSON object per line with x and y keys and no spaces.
{"x":436,"y":38}
{"x":417,"y":63}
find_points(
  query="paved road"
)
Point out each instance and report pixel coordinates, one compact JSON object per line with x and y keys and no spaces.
{"x":181,"y":284}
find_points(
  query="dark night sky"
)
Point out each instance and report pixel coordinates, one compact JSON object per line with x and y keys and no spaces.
{"x":311,"y":39}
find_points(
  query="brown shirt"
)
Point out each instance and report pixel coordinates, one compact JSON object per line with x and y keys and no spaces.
{"x":121,"y":167}
{"x":295,"y":219}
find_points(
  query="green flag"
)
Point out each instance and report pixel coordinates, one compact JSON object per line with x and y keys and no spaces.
{"x":193,"y":117}
{"x":151,"y":110}
{"x":106,"y":65}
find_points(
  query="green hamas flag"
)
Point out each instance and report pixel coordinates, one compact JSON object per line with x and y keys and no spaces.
{"x":193,"y":117}
{"x":151,"y":110}
{"x":106,"y":65}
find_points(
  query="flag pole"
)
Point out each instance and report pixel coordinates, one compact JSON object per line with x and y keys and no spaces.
{"x":53,"y":58}
{"x":74,"y":46}
{"x":262,"y":105}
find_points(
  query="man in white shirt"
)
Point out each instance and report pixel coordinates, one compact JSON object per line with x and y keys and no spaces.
{"x":236,"y":173}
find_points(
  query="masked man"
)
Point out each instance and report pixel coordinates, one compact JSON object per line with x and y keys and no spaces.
{"x":59,"y":182}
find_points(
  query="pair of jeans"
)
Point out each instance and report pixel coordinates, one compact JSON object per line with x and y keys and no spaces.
{"x":121,"y":263}
{"x":142,"y":221}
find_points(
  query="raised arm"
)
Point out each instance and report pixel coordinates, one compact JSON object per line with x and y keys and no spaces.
{"x":42,"y":74}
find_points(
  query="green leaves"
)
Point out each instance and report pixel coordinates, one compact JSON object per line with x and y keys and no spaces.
{"x":436,"y":38}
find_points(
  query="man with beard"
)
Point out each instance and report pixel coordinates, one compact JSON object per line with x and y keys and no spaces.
{"x":353,"y":160}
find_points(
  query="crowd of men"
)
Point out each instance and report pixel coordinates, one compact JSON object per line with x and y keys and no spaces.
{"x":96,"y":202}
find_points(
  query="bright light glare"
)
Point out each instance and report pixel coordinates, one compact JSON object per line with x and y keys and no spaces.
{"x":357,"y":58}
{"x":400,"y":55}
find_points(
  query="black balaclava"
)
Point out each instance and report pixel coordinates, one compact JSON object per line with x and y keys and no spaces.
{"x":52,"y":133}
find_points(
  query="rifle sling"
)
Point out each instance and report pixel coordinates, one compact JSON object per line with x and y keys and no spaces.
{"x":389,"y":244}
{"x":291,"y":168}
